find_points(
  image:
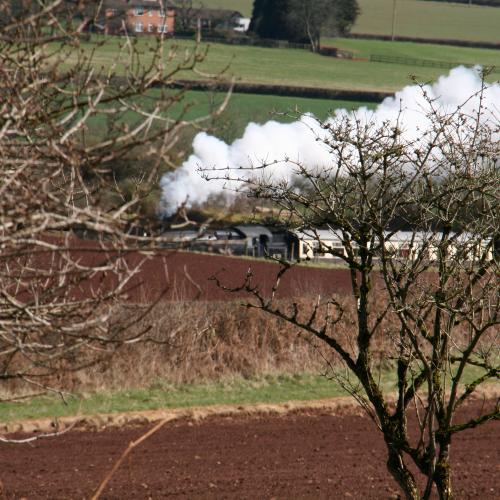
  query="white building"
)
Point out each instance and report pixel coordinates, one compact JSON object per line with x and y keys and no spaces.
{"x":242,"y":24}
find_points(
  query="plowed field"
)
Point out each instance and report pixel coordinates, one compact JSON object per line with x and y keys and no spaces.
{"x":307,"y":454}
{"x":186,"y":276}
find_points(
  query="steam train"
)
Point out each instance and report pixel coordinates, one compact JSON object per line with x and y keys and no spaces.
{"x":315,"y":244}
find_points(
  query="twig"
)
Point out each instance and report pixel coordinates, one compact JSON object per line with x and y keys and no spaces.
{"x":126,"y":453}
{"x":40,"y":436}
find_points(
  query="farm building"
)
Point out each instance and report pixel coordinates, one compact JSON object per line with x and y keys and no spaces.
{"x":153,"y":17}
{"x":117,"y":17}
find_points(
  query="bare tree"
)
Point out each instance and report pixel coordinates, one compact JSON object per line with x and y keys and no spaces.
{"x":68,"y":124}
{"x":432,"y":299}
{"x":311,"y":19}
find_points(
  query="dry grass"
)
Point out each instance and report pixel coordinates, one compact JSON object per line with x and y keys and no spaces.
{"x":203,"y":342}
{"x":200,"y":342}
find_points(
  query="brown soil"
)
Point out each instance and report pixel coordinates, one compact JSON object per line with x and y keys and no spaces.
{"x":315,"y":453}
{"x":186,"y":276}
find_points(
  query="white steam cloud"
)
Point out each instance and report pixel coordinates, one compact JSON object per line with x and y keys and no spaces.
{"x":280,"y":144}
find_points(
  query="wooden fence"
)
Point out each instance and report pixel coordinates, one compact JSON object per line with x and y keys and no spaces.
{"x":430,"y":63}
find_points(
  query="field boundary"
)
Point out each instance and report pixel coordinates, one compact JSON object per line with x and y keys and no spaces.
{"x":246,"y":41}
{"x":340,"y":404}
{"x":410,"y":61}
{"x":324,"y":50}
{"x":284,"y":90}
{"x":335,"y":51}
{"x":434,"y":41}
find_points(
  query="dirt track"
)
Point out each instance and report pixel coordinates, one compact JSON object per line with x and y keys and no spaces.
{"x":306,"y":454}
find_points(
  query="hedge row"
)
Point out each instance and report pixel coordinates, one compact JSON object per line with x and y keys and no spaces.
{"x":285,"y":90}
{"x":436,"y":41}
{"x":231,"y":39}
{"x":279,"y":90}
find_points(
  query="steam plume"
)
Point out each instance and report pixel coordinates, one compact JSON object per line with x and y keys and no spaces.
{"x":279,"y":143}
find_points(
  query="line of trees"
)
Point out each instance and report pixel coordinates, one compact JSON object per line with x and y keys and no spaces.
{"x":303,"y":20}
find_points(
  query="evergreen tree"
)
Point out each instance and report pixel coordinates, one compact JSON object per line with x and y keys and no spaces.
{"x":257,"y":12}
{"x":270,"y":19}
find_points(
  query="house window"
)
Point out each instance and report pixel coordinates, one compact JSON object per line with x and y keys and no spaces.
{"x":162,"y":13}
{"x":162,"y":28}
{"x":139,"y":11}
{"x":150,"y":28}
{"x":151,"y":12}
{"x":139,"y":27}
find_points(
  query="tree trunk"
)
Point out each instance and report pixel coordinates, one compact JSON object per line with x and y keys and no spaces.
{"x":402,"y":475}
{"x":317,"y":46}
{"x":442,"y":476}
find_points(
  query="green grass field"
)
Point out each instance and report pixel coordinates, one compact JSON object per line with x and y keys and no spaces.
{"x":439,"y":20}
{"x":415,"y":18}
{"x":261,"y":108}
{"x":241,"y":110}
{"x":468,"y":55}
{"x":303,"y":68}
{"x":245,"y":108}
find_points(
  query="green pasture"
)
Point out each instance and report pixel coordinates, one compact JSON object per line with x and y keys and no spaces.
{"x":245,"y":108}
{"x":240,"y":111}
{"x":427,"y":51}
{"x":415,"y":18}
{"x":439,"y":20}
{"x":301,"y":67}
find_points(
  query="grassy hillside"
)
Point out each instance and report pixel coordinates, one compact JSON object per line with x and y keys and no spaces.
{"x":428,"y":51}
{"x":241,"y":110}
{"x":245,"y":108}
{"x":430,"y":20}
{"x":415,"y":18}
{"x":303,"y":68}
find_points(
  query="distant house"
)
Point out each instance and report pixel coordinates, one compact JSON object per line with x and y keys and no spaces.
{"x":137,"y":17}
{"x":150,"y":17}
